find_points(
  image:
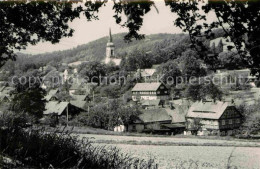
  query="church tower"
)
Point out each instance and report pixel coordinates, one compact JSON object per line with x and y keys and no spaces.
{"x":110,"y":51}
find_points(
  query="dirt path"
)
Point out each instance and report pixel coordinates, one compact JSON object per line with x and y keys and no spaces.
{"x":112,"y":139}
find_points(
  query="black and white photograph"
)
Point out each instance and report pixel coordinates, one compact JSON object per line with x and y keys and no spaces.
{"x":129,"y":84}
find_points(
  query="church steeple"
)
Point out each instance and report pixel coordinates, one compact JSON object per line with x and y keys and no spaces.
{"x":110,"y":51}
{"x":110,"y":36}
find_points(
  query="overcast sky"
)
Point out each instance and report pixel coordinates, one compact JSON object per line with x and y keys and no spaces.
{"x":85,"y":32}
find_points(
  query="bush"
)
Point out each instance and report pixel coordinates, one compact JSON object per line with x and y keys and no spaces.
{"x":39,"y":149}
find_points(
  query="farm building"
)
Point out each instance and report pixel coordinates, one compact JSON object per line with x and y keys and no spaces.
{"x":160,"y":121}
{"x":149,"y":91}
{"x":58,"y":109}
{"x":218,"y":117}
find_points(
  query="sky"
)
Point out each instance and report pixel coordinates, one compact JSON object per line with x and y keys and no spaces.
{"x":154,"y":22}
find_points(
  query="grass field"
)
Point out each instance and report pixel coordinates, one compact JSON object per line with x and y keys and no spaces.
{"x":197,"y":157}
{"x":170,"y":152}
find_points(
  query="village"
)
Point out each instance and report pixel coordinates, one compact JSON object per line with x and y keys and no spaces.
{"x":160,"y":109}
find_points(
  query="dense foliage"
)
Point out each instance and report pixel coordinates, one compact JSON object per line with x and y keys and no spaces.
{"x":35,"y":148}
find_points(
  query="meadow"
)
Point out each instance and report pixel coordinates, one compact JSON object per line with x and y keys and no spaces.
{"x":194,"y":153}
{"x":194,"y":157}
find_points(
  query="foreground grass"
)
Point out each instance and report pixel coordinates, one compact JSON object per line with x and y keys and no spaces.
{"x":38,"y":149}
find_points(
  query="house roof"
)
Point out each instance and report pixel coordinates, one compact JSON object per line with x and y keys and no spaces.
{"x":51,"y":93}
{"x":3,"y":96}
{"x":154,"y":115}
{"x":146,"y":86}
{"x":145,"y":72}
{"x":2,"y":88}
{"x":79,"y":97}
{"x":6,"y":90}
{"x":178,"y":116}
{"x":77,"y":63}
{"x":207,"y":110}
{"x":55,"y":107}
{"x":78,"y":103}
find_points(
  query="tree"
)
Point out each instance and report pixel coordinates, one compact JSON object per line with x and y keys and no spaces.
{"x":203,"y":91}
{"x":29,"y":96}
{"x":137,"y":59}
{"x":111,"y":91}
{"x":170,"y":72}
{"x":93,"y":71}
{"x":191,"y":67}
{"x":49,"y":21}
{"x":195,"y":125}
{"x":237,"y":19}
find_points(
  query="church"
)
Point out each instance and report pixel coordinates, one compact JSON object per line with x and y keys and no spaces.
{"x":110,"y":52}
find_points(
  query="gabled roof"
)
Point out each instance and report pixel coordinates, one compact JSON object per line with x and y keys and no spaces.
{"x":51,"y":93}
{"x":146,"y":72}
{"x":4,"y":96}
{"x":146,"y":86}
{"x":78,"y":103}
{"x":154,"y":115}
{"x":2,"y":88}
{"x":178,"y":115}
{"x":55,"y":107}
{"x":79,"y":97}
{"x":207,"y":110}
{"x":7,"y":90}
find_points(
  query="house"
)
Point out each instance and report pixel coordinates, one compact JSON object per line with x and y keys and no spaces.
{"x":145,"y":73}
{"x":59,"y":109}
{"x":80,"y":101}
{"x":218,"y":117}
{"x":160,"y":121}
{"x":149,"y":104}
{"x":150,"y":121}
{"x":149,"y":91}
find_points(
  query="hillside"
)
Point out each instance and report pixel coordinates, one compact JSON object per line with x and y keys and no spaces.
{"x":167,"y":45}
{"x":95,"y":50}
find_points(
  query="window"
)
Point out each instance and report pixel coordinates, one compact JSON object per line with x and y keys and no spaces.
{"x":223,"y":122}
{"x":158,"y":92}
{"x":165,"y":92}
{"x":134,"y":127}
{"x":230,"y":121}
{"x":162,"y":87}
